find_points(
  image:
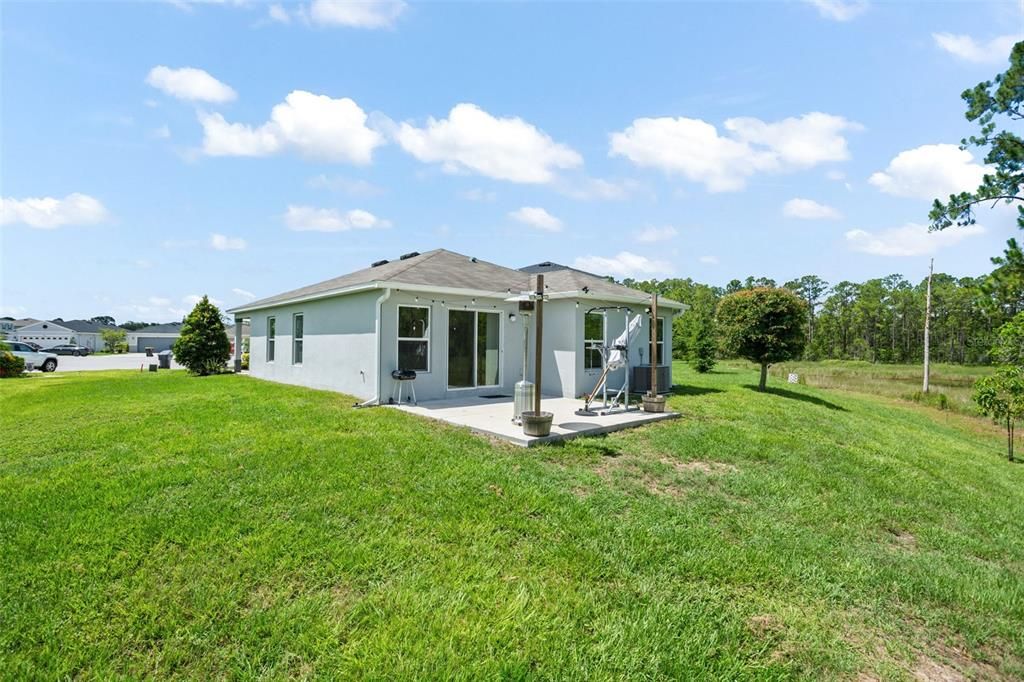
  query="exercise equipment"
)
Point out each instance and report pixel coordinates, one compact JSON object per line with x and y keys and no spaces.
{"x":613,"y":357}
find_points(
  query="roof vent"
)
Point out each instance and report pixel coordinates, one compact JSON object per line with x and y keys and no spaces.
{"x":473,"y":259}
{"x":407,"y":256}
{"x":545,"y":264}
{"x":377,"y":264}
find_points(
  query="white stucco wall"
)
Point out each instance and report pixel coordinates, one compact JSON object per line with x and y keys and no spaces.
{"x":433,"y":385}
{"x":339,"y":344}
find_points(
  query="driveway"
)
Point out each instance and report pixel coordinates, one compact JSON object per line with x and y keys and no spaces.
{"x":69,"y":363}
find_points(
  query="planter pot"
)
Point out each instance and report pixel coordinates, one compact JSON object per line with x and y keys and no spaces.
{"x":654,"y":403}
{"x":535,"y":424}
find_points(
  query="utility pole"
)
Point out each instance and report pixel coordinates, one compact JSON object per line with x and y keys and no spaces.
{"x":927,"y":327}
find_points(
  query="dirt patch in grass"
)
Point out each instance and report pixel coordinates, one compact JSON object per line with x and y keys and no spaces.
{"x":764,"y":625}
{"x":699,"y":465}
{"x":902,"y":538}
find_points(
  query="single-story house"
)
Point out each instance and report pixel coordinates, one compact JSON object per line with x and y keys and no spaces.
{"x":46,"y":333}
{"x":456,"y":321}
{"x":156,"y":336}
{"x":89,"y":334}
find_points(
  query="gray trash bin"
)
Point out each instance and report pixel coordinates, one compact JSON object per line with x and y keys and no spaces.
{"x":164,"y":357}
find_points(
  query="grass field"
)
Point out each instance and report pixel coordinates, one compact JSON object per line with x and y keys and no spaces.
{"x":955,"y":382}
{"x":168,"y":526}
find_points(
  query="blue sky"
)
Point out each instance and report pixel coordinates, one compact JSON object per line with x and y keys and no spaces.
{"x":155,"y":151}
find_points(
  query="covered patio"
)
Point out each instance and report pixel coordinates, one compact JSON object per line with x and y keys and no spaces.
{"x":492,"y":416}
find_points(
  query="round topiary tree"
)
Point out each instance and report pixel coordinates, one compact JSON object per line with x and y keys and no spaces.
{"x":203,"y":347}
{"x":763,"y":325}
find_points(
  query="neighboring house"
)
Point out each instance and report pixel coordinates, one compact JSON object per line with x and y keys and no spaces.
{"x":46,"y":333}
{"x":453,"y":319}
{"x":156,"y":336}
{"x":7,"y":328}
{"x":89,"y":334}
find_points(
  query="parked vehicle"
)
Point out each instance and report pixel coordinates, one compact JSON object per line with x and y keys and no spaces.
{"x":34,"y":346}
{"x":68,"y":349}
{"x":42,"y":360}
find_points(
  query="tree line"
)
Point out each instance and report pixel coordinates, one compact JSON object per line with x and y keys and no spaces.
{"x":878,"y":320}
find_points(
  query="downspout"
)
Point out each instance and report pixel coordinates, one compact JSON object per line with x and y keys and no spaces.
{"x":380,"y":316}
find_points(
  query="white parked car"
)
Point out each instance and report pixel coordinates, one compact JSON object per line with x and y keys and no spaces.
{"x":46,"y":362}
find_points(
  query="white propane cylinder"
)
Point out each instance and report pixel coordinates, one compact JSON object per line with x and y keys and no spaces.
{"x":523,"y":400}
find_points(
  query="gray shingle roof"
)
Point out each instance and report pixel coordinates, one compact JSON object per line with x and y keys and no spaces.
{"x":169,"y":328}
{"x":442,"y":268}
{"x":85,"y":326}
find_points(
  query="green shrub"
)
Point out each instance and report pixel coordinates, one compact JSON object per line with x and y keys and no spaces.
{"x":121,"y":347}
{"x":245,"y":361}
{"x":939,"y":400}
{"x":10,"y":364}
{"x":203,"y":347}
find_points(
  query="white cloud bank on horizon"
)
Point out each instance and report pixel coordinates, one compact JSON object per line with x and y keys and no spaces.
{"x":48,"y":213}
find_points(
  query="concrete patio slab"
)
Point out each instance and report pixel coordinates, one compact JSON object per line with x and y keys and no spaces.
{"x":493,"y":417}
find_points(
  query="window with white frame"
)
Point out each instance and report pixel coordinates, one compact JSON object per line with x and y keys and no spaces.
{"x":660,"y":347}
{"x":297,"y":339}
{"x":593,"y":338}
{"x":271,"y":338}
{"x":414,"y":338}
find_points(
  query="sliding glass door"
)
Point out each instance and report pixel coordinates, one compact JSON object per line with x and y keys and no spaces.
{"x":473,"y":348}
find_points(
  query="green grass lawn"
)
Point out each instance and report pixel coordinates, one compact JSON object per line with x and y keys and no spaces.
{"x":170,"y":526}
{"x":955,"y":382}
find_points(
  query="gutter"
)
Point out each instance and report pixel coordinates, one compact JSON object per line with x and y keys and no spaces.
{"x":380,"y":317}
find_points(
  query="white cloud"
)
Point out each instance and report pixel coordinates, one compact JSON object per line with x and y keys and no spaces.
{"x":192,"y":299}
{"x":158,"y":301}
{"x":356,"y":13}
{"x":190,"y":84}
{"x":601,"y":189}
{"x":537,"y":217}
{"x":478,"y":195}
{"x":836,"y":175}
{"x":162,"y":133}
{"x":931,"y":171}
{"x":839,"y":10}
{"x":470,"y":139}
{"x":623,"y":264}
{"x":808,"y":209}
{"x":995,"y":51}
{"x":798,"y":142}
{"x":694,"y":148}
{"x":656,"y":234}
{"x":709,"y":260}
{"x":279,"y":14}
{"x":337,"y":183}
{"x":47,"y":213}
{"x":316,"y":126}
{"x":222,"y":242}
{"x":243,"y":293}
{"x":309,"y":219}
{"x":912,"y":239}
